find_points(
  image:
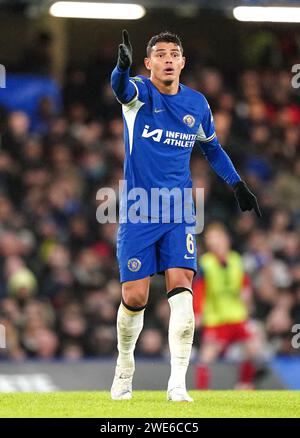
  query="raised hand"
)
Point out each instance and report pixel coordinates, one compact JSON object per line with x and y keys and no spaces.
{"x":125,"y":52}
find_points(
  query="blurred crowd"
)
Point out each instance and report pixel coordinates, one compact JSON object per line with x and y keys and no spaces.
{"x":59,"y":281}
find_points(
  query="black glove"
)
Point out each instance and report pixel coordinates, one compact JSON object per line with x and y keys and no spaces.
{"x":125,"y":52}
{"x":245,"y":198}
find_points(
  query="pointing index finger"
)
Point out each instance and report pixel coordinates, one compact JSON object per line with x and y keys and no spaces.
{"x":125,"y":37}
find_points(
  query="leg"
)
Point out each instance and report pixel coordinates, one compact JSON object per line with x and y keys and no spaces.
{"x":210,"y":350}
{"x":247,"y":369}
{"x":181,"y":329}
{"x":137,"y":261}
{"x":129,"y":326}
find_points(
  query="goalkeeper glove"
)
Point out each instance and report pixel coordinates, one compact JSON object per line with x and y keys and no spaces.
{"x":245,"y":198}
{"x":125,"y":52}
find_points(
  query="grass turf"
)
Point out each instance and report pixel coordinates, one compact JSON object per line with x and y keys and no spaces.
{"x":147,"y":404}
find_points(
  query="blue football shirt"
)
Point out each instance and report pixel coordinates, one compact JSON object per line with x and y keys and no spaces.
{"x":160,"y":131}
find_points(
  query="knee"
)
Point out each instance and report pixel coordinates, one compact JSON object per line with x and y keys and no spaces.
{"x":134,"y":297}
{"x":187,"y":277}
{"x":183,"y":279}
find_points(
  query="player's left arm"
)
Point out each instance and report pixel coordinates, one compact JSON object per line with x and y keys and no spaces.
{"x":222,"y":164}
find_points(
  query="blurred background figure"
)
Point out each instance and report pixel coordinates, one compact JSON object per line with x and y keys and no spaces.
{"x":222,"y":303}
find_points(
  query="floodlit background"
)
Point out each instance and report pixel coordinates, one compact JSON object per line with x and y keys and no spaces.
{"x":62,"y":140}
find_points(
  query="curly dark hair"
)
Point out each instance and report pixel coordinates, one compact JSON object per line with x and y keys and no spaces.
{"x":166,"y":37}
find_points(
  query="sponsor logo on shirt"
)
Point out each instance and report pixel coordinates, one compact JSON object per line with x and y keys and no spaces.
{"x":173,"y":138}
{"x":156,"y":134}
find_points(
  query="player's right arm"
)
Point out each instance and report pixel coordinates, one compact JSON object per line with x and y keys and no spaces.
{"x":124,"y":89}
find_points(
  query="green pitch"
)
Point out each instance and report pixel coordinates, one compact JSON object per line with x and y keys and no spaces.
{"x":152,"y":404}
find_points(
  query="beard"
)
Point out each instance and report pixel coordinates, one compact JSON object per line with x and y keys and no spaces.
{"x":168,"y":82}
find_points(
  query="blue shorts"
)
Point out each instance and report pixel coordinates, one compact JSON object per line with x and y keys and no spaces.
{"x":144,"y":249}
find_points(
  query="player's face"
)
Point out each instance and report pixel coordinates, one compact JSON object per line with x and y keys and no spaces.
{"x":165,"y":62}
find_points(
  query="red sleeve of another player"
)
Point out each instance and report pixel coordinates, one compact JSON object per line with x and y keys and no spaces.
{"x":199,"y":294}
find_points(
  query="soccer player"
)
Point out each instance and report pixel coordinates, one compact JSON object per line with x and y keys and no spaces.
{"x":221,"y":299}
{"x":162,"y":120}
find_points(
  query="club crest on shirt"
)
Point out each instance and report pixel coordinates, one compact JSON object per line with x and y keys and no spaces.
{"x":134,"y":264}
{"x":189,"y":120}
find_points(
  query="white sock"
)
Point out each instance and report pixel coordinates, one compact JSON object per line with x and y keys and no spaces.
{"x":181,"y":333}
{"x":129,"y":327}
